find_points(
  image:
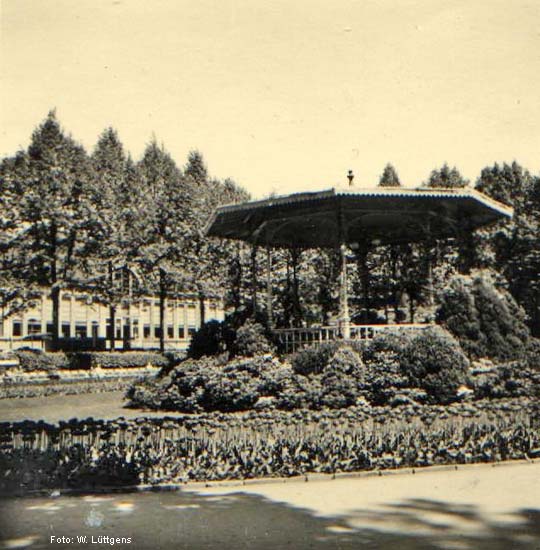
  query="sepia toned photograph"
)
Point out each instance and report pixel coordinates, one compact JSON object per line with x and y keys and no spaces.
{"x":270,"y":274}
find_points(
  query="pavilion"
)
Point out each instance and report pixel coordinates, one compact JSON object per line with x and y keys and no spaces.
{"x":354,"y":218}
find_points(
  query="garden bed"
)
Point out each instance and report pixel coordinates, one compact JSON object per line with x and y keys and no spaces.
{"x":91,"y":453}
{"x":16,"y":383}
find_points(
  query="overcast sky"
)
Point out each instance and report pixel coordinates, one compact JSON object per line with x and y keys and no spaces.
{"x":282,"y":95}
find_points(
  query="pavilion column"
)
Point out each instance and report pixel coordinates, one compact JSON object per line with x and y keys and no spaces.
{"x":254,"y":280}
{"x":428,"y":252}
{"x":344,"y":319}
{"x":269,"y":307}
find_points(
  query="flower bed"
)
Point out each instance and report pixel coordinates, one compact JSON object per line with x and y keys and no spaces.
{"x":89,"y":453}
{"x":32,"y":360}
{"x":41,"y":384}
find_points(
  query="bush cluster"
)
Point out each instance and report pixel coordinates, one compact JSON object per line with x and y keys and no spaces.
{"x":435,"y":362}
{"x":512,"y":379}
{"x":117,"y":360}
{"x":217,"y":337}
{"x":386,"y":380}
{"x":211,"y":384}
{"x":391,"y":369}
{"x":484,"y":318}
{"x":33,"y":360}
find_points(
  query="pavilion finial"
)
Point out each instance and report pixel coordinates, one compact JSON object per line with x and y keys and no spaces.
{"x":350,"y":177}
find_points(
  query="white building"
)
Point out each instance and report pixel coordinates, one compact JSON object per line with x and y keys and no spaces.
{"x":136,"y":324}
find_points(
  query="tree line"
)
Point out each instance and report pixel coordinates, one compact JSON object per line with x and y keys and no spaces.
{"x":69,"y":218}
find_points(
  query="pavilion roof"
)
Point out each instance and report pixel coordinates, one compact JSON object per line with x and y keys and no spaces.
{"x":353,"y":215}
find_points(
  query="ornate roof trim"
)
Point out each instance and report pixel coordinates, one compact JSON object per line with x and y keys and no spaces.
{"x":459,"y":193}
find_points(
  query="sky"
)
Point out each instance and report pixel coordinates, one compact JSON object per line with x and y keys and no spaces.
{"x":282,"y":95}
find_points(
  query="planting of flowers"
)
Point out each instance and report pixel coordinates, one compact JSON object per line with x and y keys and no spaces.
{"x":91,"y":453}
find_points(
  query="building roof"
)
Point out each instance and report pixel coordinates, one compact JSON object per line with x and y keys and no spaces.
{"x":353,"y":215}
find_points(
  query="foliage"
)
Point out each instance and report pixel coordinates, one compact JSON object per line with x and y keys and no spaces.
{"x":116,"y":360}
{"x":382,"y":359}
{"x":342,"y":379}
{"x":61,"y":229}
{"x":208,"y":385}
{"x":485,"y":319}
{"x":513,"y":247}
{"x":207,"y":340}
{"x":251,"y":340}
{"x":447,"y":178}
{"x":514,"y":379}
{"x":533,"y":353}
{"x":434,"y":362}
{"x":313,"y":360}
{"x":32,"y":360}
{"x":389,"y":177}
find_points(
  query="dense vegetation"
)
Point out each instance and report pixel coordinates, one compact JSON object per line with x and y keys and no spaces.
{"x":76,"y":219}
{"x":90,"y":453}
{"x":33,"y":361}
{"x":428,"y":368}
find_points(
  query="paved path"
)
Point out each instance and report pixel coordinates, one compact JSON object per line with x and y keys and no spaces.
{"x":475,"y":507}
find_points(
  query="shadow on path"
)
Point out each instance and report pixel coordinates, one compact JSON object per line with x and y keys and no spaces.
{"x":163,"y":520}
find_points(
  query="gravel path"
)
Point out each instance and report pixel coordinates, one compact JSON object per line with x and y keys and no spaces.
{"x":476,"y":507}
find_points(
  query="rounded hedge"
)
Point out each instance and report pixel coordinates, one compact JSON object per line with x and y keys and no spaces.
{"x":435,"y":362}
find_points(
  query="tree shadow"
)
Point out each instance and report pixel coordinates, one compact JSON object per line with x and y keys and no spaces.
{"x":184,"y":520}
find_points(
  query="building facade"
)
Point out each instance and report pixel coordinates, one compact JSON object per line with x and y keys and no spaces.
{"x":84,"y":319}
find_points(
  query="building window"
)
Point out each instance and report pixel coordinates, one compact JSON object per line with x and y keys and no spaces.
{"x":50,"y":328}
{"x":66,"y":330}
{"x":146,"y":331}
{"x":170,"y":331}
{"x":80,"y":330}
{"x":17,"y":328}
{"x":118,"y":329}
{"x":34,"y":326}
{"x":157,"y":332}
{"x":135,"y":328}
{"x":192,"y":330}
{"x":181,"y":332}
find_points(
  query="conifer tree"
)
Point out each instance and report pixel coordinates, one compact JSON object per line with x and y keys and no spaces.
{"x":57,"y":213}
{"x":389,"y":177}
{"x":117,"y":199}
{"x":447,"y":178}
{"x":166,"y":237}
{"x":196,"y":167}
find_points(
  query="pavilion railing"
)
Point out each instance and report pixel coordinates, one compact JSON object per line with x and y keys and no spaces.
{"x":292,"y":339}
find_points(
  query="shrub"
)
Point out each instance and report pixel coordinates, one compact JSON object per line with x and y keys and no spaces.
{"x":533,"y":353}
{"x":207,"y":385}
{"x":485,"y":319}
{"x":514,"y":379}
{"x":314,"y":359}
{"x":32,"y":360}
{"x":434,"y":362}
{"x":384,"y":377}
{"x":252,"y":340}
{"x":117,"y":359}
{"x":207,"y":340}
{"x":342,"y":379}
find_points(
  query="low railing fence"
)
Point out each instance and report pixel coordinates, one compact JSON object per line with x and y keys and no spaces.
{"x":292,"y":339}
